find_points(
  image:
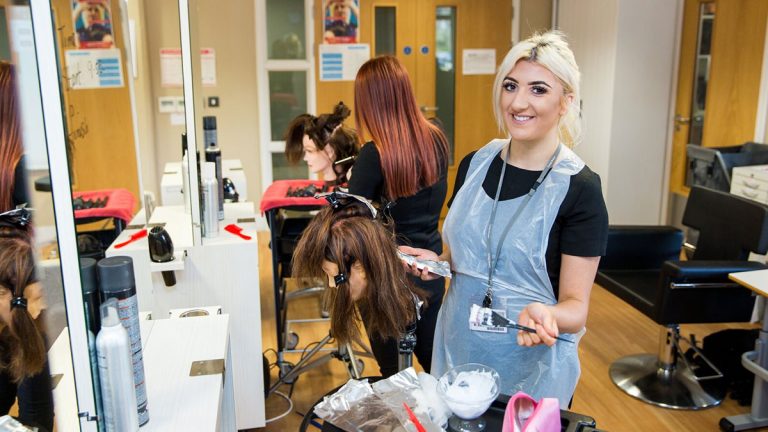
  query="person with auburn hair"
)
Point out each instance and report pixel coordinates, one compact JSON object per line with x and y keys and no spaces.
{"x":525,"y":231}
{"x":325,"y":144}
{"x":24,"y":374}
{"x":13,"y":188}
{"x":356,"y":256}
{"x":405,"y":163}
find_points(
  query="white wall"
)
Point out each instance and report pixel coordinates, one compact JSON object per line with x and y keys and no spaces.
{"x":590,"y":26}
{"x":626,"y":51}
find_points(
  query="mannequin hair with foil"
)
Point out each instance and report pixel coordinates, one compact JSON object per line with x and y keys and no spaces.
{"x":349,"y":236}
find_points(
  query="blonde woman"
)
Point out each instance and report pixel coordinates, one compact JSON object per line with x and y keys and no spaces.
{"x":525,"y":231}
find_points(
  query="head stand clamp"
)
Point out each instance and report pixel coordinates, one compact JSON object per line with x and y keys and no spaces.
{"x":405,"y":346}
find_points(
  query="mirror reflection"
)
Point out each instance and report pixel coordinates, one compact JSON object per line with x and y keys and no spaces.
{"x":35,"y":359}
{"x":121,"y":82}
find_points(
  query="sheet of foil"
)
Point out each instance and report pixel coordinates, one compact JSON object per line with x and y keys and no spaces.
{"x":358,"y":406}
{"x":441,"y":268}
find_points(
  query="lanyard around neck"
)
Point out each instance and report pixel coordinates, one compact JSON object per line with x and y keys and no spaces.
{"x":494,"y":260}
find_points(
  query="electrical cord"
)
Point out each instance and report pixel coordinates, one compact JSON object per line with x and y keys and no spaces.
{"x":284,"y":414}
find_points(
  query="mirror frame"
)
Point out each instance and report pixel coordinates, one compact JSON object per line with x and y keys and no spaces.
{"x":53,"y":125}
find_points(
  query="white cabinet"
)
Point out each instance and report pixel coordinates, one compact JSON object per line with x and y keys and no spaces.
{"x":751,"y":182}
{"x":177,"y":399}
{"x":223,"y":271}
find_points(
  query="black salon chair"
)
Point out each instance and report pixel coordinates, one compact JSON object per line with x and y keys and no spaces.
{"x":642,"y":267}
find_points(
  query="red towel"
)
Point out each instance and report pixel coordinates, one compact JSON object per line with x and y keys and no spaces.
{"x":120,"y":203}
{"x":276,"y":195}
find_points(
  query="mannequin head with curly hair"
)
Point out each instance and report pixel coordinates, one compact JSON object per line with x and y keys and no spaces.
{"x":324,"y":143}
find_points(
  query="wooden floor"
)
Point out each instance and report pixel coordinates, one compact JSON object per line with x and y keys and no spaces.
{"x":614,"y":329}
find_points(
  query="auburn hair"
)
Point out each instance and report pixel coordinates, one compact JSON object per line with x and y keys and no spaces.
{"x":10,"y":135}
{"x":350,"y":236}
{"x":411,"y":148}
{"x":22,"y":337}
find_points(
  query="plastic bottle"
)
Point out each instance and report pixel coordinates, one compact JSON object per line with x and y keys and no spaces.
{"x":117,"y":281}
{"x":210,"y":195}
{"x":213,"y":154}
{"x":116,"y":372}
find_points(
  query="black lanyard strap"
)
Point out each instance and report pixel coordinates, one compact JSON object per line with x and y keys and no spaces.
{"x":494,"y":260}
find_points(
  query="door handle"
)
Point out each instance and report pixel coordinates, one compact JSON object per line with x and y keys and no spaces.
{"x":680,"y":121}
{"x":425,"y":108}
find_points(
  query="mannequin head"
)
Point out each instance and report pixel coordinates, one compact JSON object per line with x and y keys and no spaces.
{"x":551,"y":54}
{"x":356,"y":256}
{"x":20,"y":302}
{"x":321,"y":141}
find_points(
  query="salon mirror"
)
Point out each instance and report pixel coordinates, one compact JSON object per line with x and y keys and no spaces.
{"x":22,"y":99}
{"x":123,"y":101}
{"x":224,"y":82}
{"x":120,"y":66}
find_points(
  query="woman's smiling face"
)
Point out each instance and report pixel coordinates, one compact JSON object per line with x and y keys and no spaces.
{"x":533,"y":100}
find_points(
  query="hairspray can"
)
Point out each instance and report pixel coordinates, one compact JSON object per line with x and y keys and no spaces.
{"x":116,"y":372}
{"x":213,"y":154}
{"x":117,"y":281}
{"x":210,"y":195}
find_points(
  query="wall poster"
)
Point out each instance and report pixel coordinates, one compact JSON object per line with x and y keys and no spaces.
{"x":92,"y":21}
{"x":341,"y":21}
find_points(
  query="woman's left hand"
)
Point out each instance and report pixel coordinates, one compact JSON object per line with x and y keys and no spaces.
{"x":540,"y":317}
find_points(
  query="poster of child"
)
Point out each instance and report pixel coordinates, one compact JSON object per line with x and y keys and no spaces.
{"x":92,"y":20}
{"x":342,"y":18}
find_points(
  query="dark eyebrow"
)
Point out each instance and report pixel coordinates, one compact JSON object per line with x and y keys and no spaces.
{"x":544,"y":83}
{"x":539,"y":83}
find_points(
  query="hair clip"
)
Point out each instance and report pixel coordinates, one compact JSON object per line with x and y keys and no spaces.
{"x":19,"y":302}
{"x":340,"y":279}
{"x":19,"y":217}
{"x":335,"y":200}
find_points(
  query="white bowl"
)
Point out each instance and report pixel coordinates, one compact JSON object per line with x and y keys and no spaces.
{"x":469,"y":389}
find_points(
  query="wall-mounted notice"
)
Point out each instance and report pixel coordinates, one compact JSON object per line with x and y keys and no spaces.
{"x":94,"y":68}
{"x":479,"y":61}
{"x":340,"y":62}
{"x":208,"y":66}
{"x":170,"y":67}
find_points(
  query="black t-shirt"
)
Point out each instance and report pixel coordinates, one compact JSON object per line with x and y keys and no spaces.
{"x":581,"y":224}
{"x":416,"y":217}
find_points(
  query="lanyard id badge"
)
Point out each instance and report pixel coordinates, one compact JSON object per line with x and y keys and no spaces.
{"x":493,"y":260}
{"x":480,"y":320}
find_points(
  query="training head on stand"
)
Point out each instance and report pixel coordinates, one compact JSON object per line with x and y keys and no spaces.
{"x":354,"y":252}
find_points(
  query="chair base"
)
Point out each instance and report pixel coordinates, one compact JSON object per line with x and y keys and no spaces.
{"x":641,"y":377}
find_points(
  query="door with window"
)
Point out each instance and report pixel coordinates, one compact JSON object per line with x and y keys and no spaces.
{"x":424,"y":36}
{"x":721,"y":57}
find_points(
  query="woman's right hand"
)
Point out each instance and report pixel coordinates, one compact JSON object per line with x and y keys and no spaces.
{"x":424,"y":254}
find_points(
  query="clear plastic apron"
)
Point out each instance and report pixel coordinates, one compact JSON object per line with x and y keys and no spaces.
{"x":520,"y":278}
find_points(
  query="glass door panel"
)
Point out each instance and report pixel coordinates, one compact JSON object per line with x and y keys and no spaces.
{"x":701,"y":72}
{"x":445,"y":72}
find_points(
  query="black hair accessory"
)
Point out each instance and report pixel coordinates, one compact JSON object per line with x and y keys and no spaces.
{"x":17,"y":218}
{"x":19,"y":302}
{"x":340,"y":279}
